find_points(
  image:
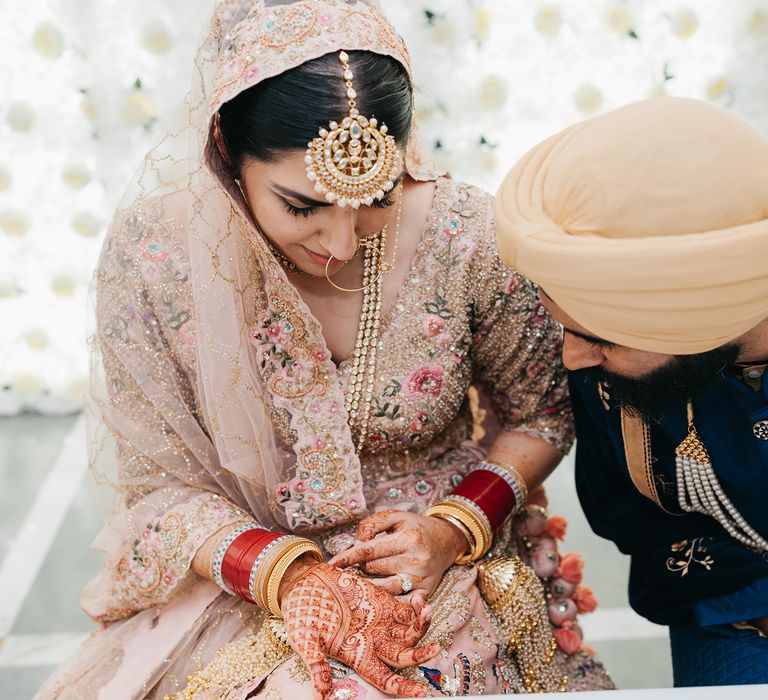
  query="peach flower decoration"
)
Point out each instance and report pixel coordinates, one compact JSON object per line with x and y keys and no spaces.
{"x":562,"y":611}
{"x":572,"y":567}
{"x":585,"y":599}
{"x":557,"y":526}
{"x":569,"y":640}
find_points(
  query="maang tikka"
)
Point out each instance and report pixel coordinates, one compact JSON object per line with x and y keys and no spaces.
{"x":355,"y":162}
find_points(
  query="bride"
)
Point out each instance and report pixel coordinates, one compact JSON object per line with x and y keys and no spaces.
{"x":293,"y":312}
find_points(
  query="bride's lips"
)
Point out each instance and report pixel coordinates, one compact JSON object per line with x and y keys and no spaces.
{"x":321,"y":259}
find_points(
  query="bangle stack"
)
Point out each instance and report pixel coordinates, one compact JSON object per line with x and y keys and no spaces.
{"x":481,"y":503}
{"x":250,"y":563}
{"x":476,"y":524}
{"x":511,"y":476}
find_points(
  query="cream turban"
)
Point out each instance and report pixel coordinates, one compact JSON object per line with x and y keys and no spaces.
{"x":647,"y":225}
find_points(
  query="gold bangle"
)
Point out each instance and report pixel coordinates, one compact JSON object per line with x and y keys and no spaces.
{"x":289,"y":556}
{"x":475,"y":512}
{"x":482,"y":540}
{"x":465,"y":558}
{"x":267,"y":565}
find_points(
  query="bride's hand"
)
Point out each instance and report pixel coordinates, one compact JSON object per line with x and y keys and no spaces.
{"x":336,"y":613}
{"x":421,"y":548}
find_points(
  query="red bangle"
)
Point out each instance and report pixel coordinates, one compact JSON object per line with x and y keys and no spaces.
{"x":240,"y":558}
{"x":490,"y":493}
{"x":234,"y":555}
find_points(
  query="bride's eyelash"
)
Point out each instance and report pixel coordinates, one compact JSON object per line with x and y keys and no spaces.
{"x":381,"y":203}
{"x":308,"y":211}
{"x":299,"y":211}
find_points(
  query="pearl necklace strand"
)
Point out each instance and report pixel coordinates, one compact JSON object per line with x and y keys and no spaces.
{"x":699,"y":491}
{"x":359,"y":397}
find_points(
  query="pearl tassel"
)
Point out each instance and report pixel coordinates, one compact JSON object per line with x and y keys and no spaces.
{"x":699,"y":491}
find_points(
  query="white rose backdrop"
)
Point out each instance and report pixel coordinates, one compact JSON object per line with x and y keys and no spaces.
{"x":87,"y":85}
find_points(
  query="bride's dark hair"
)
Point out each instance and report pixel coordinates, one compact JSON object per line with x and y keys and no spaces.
{"x":284,"y":113}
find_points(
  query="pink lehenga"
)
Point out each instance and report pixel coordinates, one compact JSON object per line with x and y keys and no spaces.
{"x":215,"y":394}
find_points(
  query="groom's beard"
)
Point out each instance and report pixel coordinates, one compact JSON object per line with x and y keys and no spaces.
{"x":668,"y":389}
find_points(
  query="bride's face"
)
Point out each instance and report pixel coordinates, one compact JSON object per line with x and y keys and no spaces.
{"x":300,"y":223}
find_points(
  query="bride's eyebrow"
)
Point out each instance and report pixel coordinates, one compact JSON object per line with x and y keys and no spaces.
{"x":287,"y":192}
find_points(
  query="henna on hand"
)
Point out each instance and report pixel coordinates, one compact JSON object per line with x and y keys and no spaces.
{"x":332,"y":612}
{"x":421,"y":547}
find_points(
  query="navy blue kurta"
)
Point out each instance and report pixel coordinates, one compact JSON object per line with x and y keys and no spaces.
{"x":684,"y":567}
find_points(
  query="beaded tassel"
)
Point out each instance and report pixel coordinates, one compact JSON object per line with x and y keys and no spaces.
{"x":516,"y":596}
{"x":360,"y":394}
{"x":699,"y":491}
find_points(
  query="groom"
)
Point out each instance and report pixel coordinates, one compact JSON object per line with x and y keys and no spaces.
{"x":646,"y":230}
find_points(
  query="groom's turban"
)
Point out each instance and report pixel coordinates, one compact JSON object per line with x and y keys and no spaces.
{"x":647,"y":225}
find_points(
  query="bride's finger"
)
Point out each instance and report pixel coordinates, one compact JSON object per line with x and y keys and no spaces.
{"x":409,"y":633}
{"x":386,"y":546}
{"x":394,"y":586}
{"x":379,"y":522}
{"x":399,"y":657}
{"x":389,"y":566}
{"x":386,"y":680}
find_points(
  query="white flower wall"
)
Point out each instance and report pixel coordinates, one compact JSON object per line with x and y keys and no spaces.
{"x":86,"y":86}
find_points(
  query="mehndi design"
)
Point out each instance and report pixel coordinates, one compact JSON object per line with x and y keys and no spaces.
{"x":333,"y":612}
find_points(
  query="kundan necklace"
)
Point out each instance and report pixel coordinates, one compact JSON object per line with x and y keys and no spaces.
{"x":359,"y":396}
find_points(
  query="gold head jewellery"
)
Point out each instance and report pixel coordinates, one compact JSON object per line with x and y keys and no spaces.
{"x":355,"y":162}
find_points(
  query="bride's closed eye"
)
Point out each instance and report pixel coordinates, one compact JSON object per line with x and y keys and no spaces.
{"x":308,"y":211}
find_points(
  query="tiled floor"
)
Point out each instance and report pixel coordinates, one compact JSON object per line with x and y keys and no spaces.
{"x":38,"y":463}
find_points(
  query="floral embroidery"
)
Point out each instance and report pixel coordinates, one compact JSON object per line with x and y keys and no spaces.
{"x":276,"y":339}
{"x":425,"y":380}
{"x":693,"y":552}
{"x":455,"y":225}
{"x":420,"y":421}
{"x":188,"y":332}
{"x":413,"y":490}
{"x":298,"y":32}
{"x":538,"y":312}
{"x":319,"y":473}
{"x":288,"y":25}
{"x":348,"y":689}
{"x":158,"y":565}
{"x":252,"y":74}
{"x":458,"y":685}
{"x":295,"y":365}
{"x":433,"y":325}
{"x":153,"y":251}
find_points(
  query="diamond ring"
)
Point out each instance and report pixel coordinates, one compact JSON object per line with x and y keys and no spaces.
{"x":407,"y":582}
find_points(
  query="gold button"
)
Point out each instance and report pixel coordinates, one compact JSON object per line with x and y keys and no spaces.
{"x":760,"y":429}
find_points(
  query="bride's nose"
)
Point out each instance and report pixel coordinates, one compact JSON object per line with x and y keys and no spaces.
{"x":340,"y":239}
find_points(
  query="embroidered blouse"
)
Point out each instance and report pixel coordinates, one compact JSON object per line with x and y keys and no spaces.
{"x":461,"y":318}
